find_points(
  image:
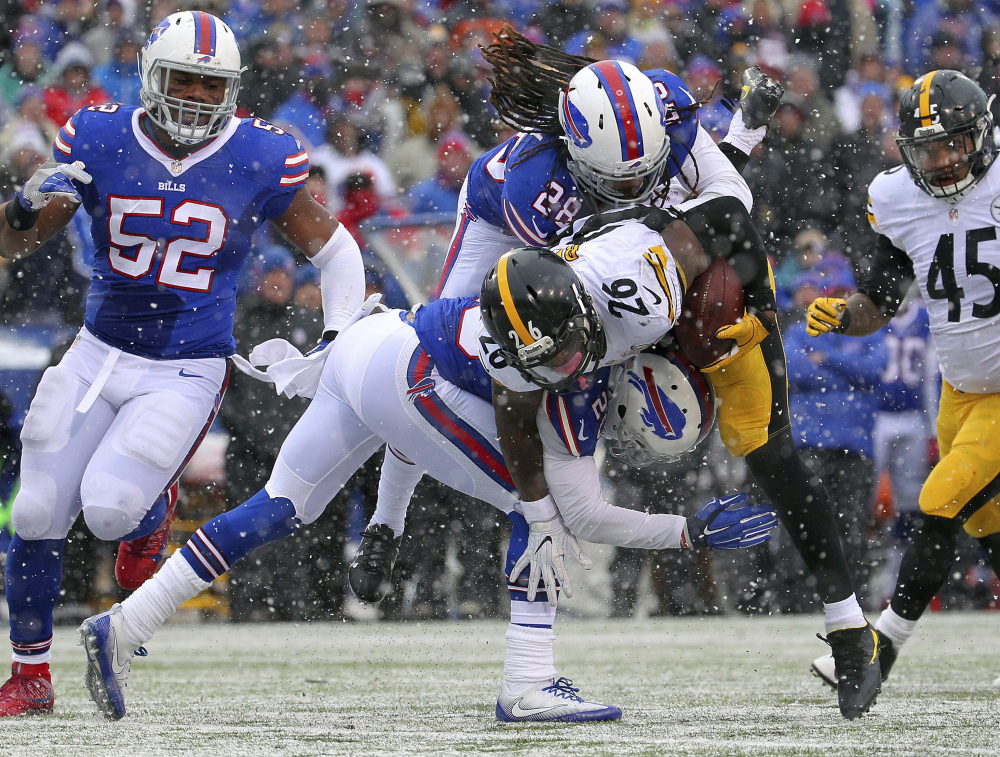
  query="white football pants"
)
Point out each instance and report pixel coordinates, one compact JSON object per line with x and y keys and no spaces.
{"x":107,"y":432}
{"x":377,"y":387}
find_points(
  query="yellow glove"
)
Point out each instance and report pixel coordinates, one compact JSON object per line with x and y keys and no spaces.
{"x":824,"y":315}
{"x":748,"y":332}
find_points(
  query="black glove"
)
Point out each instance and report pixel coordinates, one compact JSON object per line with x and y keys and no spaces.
{"x":760,"y":97}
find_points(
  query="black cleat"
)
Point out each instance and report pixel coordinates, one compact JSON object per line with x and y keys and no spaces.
{"x":824,"y":667}
{"x":759,"y":98}
{"x":859,"y":675}
{"x":370,"y":574}
{"x":887,"y":653}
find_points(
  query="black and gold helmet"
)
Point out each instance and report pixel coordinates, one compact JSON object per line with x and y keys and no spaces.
{"x":536,"y":308}
{"x":946,"y":134}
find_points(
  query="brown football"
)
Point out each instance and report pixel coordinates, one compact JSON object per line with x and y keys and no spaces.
{"x":713,"y":300}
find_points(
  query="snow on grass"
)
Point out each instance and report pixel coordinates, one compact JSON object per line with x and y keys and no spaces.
{"x":728,"y":686}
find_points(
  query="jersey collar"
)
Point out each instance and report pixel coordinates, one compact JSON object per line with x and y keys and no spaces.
{"x":177,"y":166}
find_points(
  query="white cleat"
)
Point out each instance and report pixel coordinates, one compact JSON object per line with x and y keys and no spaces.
{"x":551,"y":701}
{"x":824,"y":668}
{"x":109,"y":661}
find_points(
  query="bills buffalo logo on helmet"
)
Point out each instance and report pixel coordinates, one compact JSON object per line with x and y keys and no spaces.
{"x":157,"y":31}
{"x":579,"y":129}
{"x":661,"y":415}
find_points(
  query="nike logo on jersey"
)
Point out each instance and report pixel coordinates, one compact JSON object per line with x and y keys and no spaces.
{"x":518,"y":712}
{"x":184,"y":374}
{"x":582,"y":437}
{"x":658,"y":298}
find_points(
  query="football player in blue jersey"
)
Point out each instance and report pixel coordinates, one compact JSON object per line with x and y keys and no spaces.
{"x":413,"y":380}
{"x":593,"y":135}
{"x":174,"y":190}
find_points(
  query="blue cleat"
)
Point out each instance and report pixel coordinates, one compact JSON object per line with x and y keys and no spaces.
{"x":109,"y":661}
{"x":551,"y":702}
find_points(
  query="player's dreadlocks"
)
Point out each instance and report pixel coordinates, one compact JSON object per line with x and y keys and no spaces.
{"x":527,"y":79}
{"x":525,"y":86}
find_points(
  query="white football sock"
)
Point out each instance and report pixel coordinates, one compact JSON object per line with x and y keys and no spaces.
{"x":896,"y":628}
{"x":530,"y":657}
{"x":395,"y":489}
{"x":846,"y":613}
{"x":151,"y":604}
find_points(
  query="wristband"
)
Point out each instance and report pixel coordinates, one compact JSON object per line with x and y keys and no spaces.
{"x":741,"y":136}
{"x":845,"y":322}
{"x":19,"y":218}
{"x":539,"y":510}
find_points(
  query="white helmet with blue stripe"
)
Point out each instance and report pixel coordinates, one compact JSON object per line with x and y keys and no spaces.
{"x":615,"y":129}
{"x":661,"y":407}
{"x":192,"y":42}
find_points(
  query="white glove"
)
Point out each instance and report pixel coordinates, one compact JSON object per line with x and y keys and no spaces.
{"x":548,"y":542}
{"x":53,"y":179}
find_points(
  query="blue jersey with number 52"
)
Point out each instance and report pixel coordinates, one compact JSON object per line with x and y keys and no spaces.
{"x":171,"y":235}
{"x":524,"y":186}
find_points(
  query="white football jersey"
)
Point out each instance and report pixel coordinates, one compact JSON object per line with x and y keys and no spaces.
{"x":633,"y":281}
{"x":955,"y":252}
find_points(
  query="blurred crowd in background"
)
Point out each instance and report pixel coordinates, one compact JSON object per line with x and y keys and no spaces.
{"x":391,"y":99}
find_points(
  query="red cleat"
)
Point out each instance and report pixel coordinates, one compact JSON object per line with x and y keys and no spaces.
{"x":28,"y":691}
{"x":138,"y":559}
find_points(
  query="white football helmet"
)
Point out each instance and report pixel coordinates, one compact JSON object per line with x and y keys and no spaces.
{"x":662,"y":407}
{"x":198,"y":43}
{"x":616,"y":132}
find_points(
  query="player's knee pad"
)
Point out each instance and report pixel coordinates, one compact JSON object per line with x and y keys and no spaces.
{"x":744,"y":393}
{"x":47,"y":423}
{"x":954,"y":481}
{"x":284,"y":483}
{"x":107,"y":523}
{"x":33,"y":512}
{"x":985,"y":522}
{"x":112,"y":506}
{"x":160,"y":433}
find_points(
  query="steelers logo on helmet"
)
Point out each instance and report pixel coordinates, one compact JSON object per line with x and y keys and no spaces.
{"x":186,"y":44}
{"x":536,"y":309}
{"x":615,"y":128}
{"x":661,"y":407}
{"x":946,"y":134}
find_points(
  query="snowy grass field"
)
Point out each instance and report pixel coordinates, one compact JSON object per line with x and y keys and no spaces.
{"x":724,"y":686}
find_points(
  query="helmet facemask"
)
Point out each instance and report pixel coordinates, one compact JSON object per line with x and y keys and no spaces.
{"x":972,"y":146}
{"x":618,"y":187}
{"x":567,"y":361}
{"x":173,"y":49}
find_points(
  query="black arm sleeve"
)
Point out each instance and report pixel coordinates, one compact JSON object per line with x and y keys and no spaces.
{"x":736,"y":156}
{"x":889,"y":278}
{"x":725,"y":229}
